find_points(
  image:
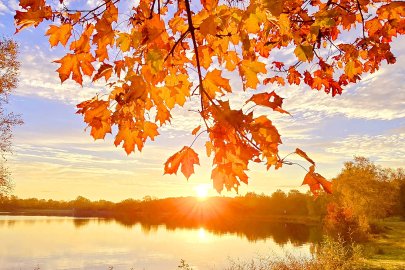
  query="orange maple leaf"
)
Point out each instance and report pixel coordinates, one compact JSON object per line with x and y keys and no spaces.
{"x":316,"y":181}
{"x":186,"y":157}
{"x":75,"y":64}
{"x":59,"y":34}
{"x":304,"y":155}
{"x":271,"y":100}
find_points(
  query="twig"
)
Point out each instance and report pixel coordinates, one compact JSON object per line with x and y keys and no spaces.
{"x":82,"y":19}
{"x":286,"y":162}
{"x":362,"y":18}
{"x":196,"y":137}
{"x":177,"y":42}
{"x":151,"y":9}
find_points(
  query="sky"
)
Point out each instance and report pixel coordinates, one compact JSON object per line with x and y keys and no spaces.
{"x":55,"y":157}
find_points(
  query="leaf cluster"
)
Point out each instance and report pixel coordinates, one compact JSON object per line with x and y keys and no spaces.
{"x":148,"y":53}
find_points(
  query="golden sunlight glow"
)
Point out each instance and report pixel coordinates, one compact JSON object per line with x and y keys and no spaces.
{"x":201,"y":234}
{"x":202,"y":191}
{"x":204,"y":236}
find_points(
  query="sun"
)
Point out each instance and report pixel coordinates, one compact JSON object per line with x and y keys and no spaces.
{"x":201,"y":191}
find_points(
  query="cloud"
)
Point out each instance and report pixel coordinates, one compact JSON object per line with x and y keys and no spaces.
{"x":13,"y":4}
{"x":38,"y":77}
{"x":377,"y":97}
{"x":384,"y":148}
{"x":4,"y":9}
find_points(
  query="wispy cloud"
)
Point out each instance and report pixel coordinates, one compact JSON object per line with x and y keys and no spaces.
{"x":4,"y":9}
{"x":385,"y":148}
{"x":38,"y":77}
{"x":13,"y":4}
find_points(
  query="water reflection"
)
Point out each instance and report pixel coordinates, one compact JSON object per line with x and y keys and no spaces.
{"x":80,"y":222}
{"x":142,"y":242}
{"x":249,"y":228}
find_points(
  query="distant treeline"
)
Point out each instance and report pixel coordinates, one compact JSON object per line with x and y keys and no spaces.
{"x":361,"y":189}
{"x":293,"y":203}
{"x":293,"y":217}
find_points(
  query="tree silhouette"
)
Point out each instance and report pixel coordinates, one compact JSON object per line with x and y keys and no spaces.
{"x":9,"y":67}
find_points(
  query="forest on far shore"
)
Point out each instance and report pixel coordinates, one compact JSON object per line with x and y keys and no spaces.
{"x":362,"y":194}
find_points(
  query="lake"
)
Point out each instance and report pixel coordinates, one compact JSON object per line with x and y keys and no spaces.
{"x":38,"y":242}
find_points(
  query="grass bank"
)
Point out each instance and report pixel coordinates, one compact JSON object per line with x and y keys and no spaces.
{"x":387,"y":249}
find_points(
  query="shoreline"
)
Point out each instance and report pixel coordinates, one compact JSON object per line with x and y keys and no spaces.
{"x":296,"y":219}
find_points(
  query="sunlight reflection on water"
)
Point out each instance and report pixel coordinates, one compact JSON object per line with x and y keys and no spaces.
{"x":91,"y":243}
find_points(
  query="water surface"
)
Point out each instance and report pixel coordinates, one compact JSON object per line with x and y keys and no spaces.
{"x":30,"y":242}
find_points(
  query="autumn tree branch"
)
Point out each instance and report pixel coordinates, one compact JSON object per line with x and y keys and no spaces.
{"x":177,"y":43}
{"x":83,"y":18}
{"x":362,"y":18}
{"x":192,"y":31}
{"x":191,"y":28}
{"x":151,"y":9}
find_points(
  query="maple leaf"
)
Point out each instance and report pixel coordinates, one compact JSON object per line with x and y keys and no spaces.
{"x":278,"y":79}
{"x":124,"y":41}
{"x":155,"y":60}
{"x":209,"y":4}
{"x":194,"y":132}
{"x":119,"y":67}
{"x":36,"y":12}
{"x":75,"y":64}
{"x":59,"y":34}
{"x":353,"y":68}
{"x":304,"y":53}
{"x":294,"y":77}
{"x":104,"y":37}
{"x":205,"y":56}
{"x":150,"y":130}
{"x":284,"y":24}
{"x":215,"y":83}
{"x":105,"y":71}
{"x":82,"y":45}
{"x":209,"y":25}
{"x":267,"y":137}
{"x":252,"y":24}
{"x":209,"y":148}
{"x":250,"y":70}
{"x":130,"y":136}
{"x":263,"y":99}
{"x":97,"y":115}
{"x":392,"y":10}
{"x":163,"y":115}
{"x":304,"y":155}
{"x":275,"y":7}
{"x":316,"y":181}
{"x":186,"y":157}
{"x":232,"y":60}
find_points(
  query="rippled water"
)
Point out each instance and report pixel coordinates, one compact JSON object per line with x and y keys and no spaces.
{"x":29,"y":242}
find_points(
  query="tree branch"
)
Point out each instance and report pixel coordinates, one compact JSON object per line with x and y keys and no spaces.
{"x":362,"y":18}
{"x":82,"y":19}
{"x":151,"y":9}
{"x":200,"y":79}
{"x":192,"y":29}
{"x":177,"y":43}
